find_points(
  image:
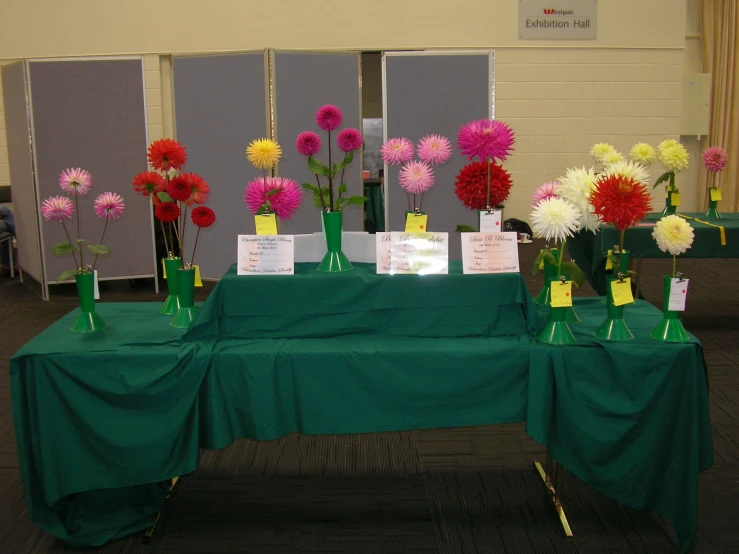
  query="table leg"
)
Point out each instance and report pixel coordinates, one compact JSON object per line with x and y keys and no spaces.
{"x":149,"y":533}
{"x":555,"y":488}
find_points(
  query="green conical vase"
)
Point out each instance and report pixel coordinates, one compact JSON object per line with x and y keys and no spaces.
{"x":556,"y":331}
{"x":186,"y":291}
{"x":88,"y":321}
{"x":713,"y":212}
{"x":670,"y":329}
{"x":623,"y":267}
{"x":172,"y":303}
{"x":550,"y":272}
{"x":334,"y":261}
{"x":614,"y":327}
{"x":669,"y":208}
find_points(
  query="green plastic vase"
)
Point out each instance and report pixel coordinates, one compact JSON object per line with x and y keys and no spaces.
{"x":172,"y":303}
{"x":669,"y":208}
{"x":623,"y":267}
{"x":713,"y":212}
{"x":88,"y":321}
{"x":614,"y":327}
{"x":557,"y":331}
{"x":670,"y":329}
{"x":334,"y":261}
{"x":550,"y":272}
{"x":186,"y":291}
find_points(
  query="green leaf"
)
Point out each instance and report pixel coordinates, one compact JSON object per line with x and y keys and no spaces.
{"x":345,"y":162}
{"x":317,"y":167}
{"x":164,"y":197}
{"x":465,"y":229}
{"x":664,"y":177}
{"x":342,"y":188}
{"x":356,"y":200}
{"x":98,"y":249}
{"x":63,"y":248}
{"x":340,"y":203}
{"x":613,"y":258}
{"x":80,"y":241}
{"x":317,"y":198}
{"x":308,"y":186}
{"x":573,"y":272}
{"x":272,"y":192}
{"x":66,"y":275}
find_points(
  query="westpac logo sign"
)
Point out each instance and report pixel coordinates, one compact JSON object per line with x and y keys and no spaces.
{"x":557,"y":19}
{"x":552,"y":11}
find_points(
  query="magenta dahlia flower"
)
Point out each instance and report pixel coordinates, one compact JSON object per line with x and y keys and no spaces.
{"x":109,"y":205}
{"x":397,"y":151}
{"x":284,"y":204}
{"x":416,"y":177}
{"x":544,"y":191}
{"x":57,"y":208}
{"x":349,"y":140}
{"x":715,"y":158}
{"x":486,"y":138}
{"x":329,"y":117}
{"x":75,"y":181}
{"x":308,"y":143}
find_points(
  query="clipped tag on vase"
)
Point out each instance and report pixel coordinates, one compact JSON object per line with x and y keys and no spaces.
{"x":416,"y":223}
{"x":621,"y":292}
{"x":266,"y":224}
{"x":198,"y":280}
{"x":95,"y":290}
{"x":609,"y":262}
{"x":715,"y":194}
{"x":678,"y":294}
{"x":675,"y":199}
{"x":491,"y":222}
{"x":561,"y":294}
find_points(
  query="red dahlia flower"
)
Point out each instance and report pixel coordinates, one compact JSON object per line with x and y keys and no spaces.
{"x":621,"y":200}
{"x":202,"y":216}
{"x":472,"y":182}
{"x":179,"y":188}
{"x":149,"y":183}
{"x":199,"y":189}
{"x":166,"y":154}
{"x":167,"y":212}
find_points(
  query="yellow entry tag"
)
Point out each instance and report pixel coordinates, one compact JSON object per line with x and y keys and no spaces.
{"x":621,"y":291}
{"x":715,"y":194}
{"x":198,"y":281}
{"x":266,"y":224}
{"x":416,"y":223}
{"x":609,"y":263}
{"x":675,"y":200}
{"x":561,"y":294}
{"x":164,"y":269}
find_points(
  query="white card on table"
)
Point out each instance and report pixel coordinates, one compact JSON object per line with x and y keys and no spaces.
{"x":266,"y":255}
{"x":491,"y":222}
{"x":95,"y":290}
{"x":412,"y":253}
{"x":489,"y":253}
{"x":678,"y":294}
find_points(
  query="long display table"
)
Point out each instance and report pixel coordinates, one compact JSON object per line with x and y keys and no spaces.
{"x":103,"y":421}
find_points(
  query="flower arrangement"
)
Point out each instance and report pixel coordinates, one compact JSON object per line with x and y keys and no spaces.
{"x":643,"y":153}
{"x":577,"y":187}
{"x":674,"y":235}
{"x":605,"y":154}
{"x":77,"y":182}
{"x":349,"y":140}
{"x":714,"y":160}
{"x":674,"y":158}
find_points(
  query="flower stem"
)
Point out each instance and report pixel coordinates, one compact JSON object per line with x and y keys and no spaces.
{"x":77,"y":213}
{"x":674,"y":266}
{"x":197,"y":236}
{"x":487,"y":198}
{"x":70,"y":242}
{"x":164,"y":236}
{"x":621,"y":249}
{"x":320,"y":193}
{"x":561,"y":257}
{"x":420,"y":208}
{"x":330,"y":175}
{"x":105,"y":228}
{"x":182,"y":237}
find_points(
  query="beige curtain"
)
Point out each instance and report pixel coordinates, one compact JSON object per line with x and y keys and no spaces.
{"x":720,"y":52}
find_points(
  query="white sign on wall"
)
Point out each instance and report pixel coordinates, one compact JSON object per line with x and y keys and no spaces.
{"x":557,"y":19}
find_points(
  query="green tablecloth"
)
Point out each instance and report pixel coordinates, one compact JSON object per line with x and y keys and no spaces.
{"x":589,"y":250}
{"x":102,"y":421}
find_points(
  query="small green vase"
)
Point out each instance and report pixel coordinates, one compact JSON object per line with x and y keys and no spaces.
{"x":670,"y":329}
{"x":669,"y":208}
{"x":614,"y":327}
{"x":186,"y":292}
{"x":334,"y":261}
{"x":88,"y":321}
{"x":713,"y":212}
{"x":172,"y":303}
{"x":623,"y":267}
{"x":556,"y":331}
{"x":550,"y":272}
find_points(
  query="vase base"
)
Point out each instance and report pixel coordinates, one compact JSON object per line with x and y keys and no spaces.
{"x":543,"y":296}
{"x":184,"y":317}
{"x":88,"y":322}
{"x":713,"y":214}
{"x":556,"y":332}
{"x":670,"y":330}
{"x":615,"y":330}
{"x":571,"y":316}
{"x":335,"y":262}
{"x":171,"y":305}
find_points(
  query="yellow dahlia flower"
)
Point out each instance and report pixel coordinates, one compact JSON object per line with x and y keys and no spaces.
{"x":672,"y":155}
{"x":612,"y":158}
{"x":673,"y":234}
{"x":643,"y":154}
{"x":601,"y":150}
{"x":263,"y":153}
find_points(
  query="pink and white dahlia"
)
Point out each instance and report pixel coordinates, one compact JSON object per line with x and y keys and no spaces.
{"x":416,"y":177}
{"x":544,"y":191}
{"x":57,"y":208}
{"x":397,"y":151}
{"x":434,"y":149}
{"x":715,"y":158}
{"x":75,"y":181}
{"x":109,"y":205}
{"x":486,"y":139}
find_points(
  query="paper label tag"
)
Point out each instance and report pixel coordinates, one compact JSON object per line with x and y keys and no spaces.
{"x":266,"y":224}
{"x":490,"y":253}
{"x":412,"y":253}
{"x":621,"y":291}
{"x":491,"y":222}
{"x":95,"y":290}
{"x":561,"y":294}
{"x":678,"y":295}
{"x":609,"y":263}
{"x":675,"y":199}
{"x":715,"y":194}
{"x":416,"y":223}
{"x":266,"y":255}
{"x":198,"y":280}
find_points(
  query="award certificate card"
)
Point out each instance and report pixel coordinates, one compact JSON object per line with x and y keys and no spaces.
{"x":412,"y":253}
{"x":266,"y":255}
{"x":489,"y":253}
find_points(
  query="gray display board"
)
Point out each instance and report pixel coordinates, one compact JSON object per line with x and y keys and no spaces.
{"x":220,"y":106}
{"x":92,"y":114}
{"x":434,"y":93}
{"x":304,"y":82}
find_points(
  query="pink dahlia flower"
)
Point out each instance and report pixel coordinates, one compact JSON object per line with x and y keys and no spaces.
{"x":75,"y":181}
{"x":308,"y":143}
{"x":486,"y":138}
{"x":544,"y":191}
{"x":416,"y":177}
{"x":434,"y":149}
{"x":109,"y":205}
{"x":284,"y":203}
{"x":715,"y":158}
{"x":329,"y":117}
{"x":57,"y":208}
{"x":349,"y":140}
{"x":397,"y":151}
